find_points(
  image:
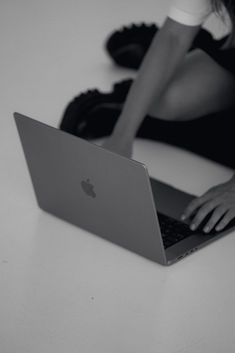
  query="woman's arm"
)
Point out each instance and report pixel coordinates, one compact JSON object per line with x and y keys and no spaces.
{"x":164,"y":56}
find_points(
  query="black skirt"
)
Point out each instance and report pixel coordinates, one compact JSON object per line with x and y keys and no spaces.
{"x":224,"y":57}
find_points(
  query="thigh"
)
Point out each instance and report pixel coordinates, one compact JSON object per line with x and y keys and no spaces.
{"x":200,"y":87}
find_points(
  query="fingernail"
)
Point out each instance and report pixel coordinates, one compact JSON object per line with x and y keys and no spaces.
{"x":206,"y":229}
{"x":193,"y":227}
{"x":183,"y":217}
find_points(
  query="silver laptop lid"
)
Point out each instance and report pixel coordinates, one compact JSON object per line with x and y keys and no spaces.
{"x":91,"y":187}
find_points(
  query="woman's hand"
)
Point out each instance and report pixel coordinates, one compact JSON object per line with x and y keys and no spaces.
{"x":124,"y":148}
{"x":220,"y":200}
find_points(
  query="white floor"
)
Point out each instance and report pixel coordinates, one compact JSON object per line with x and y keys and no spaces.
{"x":62,"y":290}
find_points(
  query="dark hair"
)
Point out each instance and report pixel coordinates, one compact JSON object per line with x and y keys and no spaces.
{"x":229,"y":5}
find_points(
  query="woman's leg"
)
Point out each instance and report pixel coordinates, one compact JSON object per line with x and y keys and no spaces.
{"x":197,"y":112}
{"x":200,"y":87}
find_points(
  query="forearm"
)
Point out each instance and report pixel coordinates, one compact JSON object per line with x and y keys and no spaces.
{"x":162,"y":60}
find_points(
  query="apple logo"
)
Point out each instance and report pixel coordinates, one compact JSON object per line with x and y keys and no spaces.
{"x":88,"y":188}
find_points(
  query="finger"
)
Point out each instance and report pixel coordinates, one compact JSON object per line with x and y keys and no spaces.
{"x":216,"y":216}
{"x":225,"y":220}
{"x":203,"y":212}
{"x":193,"y":205}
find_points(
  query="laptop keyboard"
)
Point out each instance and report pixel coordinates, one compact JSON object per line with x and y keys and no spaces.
{"x":174,"y":231}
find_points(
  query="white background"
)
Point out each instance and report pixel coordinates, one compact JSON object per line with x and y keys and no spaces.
{"x":63,"y":290}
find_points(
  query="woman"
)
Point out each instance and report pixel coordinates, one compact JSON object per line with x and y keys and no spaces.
{"x":178,"y":88}
{"x":173,"y":84}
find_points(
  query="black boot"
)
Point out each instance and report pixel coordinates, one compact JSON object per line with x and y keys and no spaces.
{"x":93,"y":114}
{"x":128,"y":45}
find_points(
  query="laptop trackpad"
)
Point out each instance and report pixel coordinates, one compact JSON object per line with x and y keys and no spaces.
{"x":169,"y":200}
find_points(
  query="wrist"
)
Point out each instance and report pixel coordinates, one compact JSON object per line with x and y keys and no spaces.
{"x":124,"y":130}
{"x":121,"y":138}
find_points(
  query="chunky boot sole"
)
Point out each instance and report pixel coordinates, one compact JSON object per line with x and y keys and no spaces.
{"x":128,"y":45}
{"x":93,"y":114}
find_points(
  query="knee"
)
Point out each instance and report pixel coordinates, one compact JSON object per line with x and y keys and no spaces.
{"x":169,"y":107}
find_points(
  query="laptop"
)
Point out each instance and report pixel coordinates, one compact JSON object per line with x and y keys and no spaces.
{"x":107,"y":194}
